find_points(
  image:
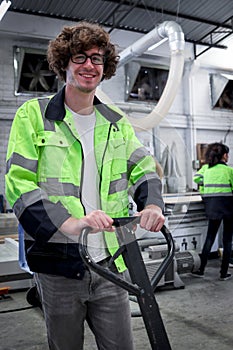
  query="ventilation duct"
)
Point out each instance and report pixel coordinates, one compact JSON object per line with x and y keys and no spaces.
{"x":4,"y":7}
{"x":173,"y":32}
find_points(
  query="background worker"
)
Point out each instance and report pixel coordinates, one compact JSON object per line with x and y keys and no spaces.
{"x":72,"y":162}
{"x":216,"y":181}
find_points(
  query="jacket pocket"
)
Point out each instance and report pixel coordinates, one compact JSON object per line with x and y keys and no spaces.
{"x":57,"y":156}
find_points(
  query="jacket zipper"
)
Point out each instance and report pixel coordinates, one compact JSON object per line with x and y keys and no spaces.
{"x":101,"y":170}
{"x":82,"y":168}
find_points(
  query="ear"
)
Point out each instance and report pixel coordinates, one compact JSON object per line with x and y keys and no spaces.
{"x":103,"y":77}
{"x":225,"y":157}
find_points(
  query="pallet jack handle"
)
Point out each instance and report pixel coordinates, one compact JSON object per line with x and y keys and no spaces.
{"x":167,"y":260}
{"x":102,"y":271}
{"x":129,"y":222}
{"x":141,"y":286}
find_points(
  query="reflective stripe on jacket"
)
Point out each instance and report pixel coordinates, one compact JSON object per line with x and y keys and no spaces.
{"x":215,"y":180}
{"x":216,"y":188}
{"x":44,"y":177}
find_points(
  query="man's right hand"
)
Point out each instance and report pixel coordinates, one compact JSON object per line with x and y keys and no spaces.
{"x":97,"y":219}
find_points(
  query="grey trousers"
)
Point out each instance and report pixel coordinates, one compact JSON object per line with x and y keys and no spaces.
{"x":67,"y":303}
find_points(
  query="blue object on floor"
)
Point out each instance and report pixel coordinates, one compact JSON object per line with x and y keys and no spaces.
{"x":22,"y":259}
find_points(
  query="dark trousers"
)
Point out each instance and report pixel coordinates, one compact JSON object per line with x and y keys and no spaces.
{"x":213,"y":227}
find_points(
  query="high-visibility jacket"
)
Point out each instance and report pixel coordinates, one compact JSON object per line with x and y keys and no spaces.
{"x":44,"y":178}
{"x":216,"y":188}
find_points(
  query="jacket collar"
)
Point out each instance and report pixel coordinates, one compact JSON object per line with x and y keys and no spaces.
{"x":55,"y":109}
{"x":221,"y":162}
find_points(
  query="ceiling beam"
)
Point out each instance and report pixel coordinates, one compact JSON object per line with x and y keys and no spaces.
{"x":126,"y":6}
{"x":174,"y":14}
{"x":201,"y":41}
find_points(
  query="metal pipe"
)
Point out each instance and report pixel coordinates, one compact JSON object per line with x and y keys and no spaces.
{"x":170,"y":30}
{"x":4,"y":7}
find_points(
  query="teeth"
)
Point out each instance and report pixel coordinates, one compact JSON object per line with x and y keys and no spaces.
{"x":87,"y":75}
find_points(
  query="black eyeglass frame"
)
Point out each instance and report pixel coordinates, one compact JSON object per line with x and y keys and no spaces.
{"x":91,"y":58}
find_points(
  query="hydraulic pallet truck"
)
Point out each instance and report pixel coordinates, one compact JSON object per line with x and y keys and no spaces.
{"x":140,"y":286}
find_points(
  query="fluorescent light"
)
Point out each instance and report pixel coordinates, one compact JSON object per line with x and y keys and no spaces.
{"x":4,"y":7}
{"x":157,"y":44}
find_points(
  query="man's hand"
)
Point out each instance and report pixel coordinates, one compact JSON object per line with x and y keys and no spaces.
{"x":97,"y":219}
{"x":152,"y":218}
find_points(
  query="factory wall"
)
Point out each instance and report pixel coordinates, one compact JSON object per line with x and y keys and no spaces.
{"x":190,"y":121}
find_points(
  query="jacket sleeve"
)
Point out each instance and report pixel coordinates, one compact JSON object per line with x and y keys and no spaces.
{"x":149,"y":192}
{"x":38,"y":215}
{"x":145,"y":184}
{"x":231,"y":178}
{"x":199,"y":176}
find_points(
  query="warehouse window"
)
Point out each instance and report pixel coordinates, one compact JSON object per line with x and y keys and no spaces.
{"x":222,"y":91}
{"x":226,"y":98}
{"x":201,"y":150}
{"x":145,"y":83}
{"x":32,"y":74}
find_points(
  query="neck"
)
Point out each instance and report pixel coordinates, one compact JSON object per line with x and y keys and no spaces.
{"x":80,"y":102}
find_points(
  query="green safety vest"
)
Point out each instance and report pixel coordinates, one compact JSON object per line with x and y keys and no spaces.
{"x":45,"y":158}
{"x":216,"y":180}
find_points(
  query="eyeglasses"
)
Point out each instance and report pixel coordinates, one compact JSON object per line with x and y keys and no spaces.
{"x":81,"y":58}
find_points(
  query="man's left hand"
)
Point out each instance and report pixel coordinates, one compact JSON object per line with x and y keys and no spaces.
{"x":152,"y":218}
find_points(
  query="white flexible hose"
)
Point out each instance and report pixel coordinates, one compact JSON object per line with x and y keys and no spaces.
{"x":176,"y":43}
{"x":166,"y":99}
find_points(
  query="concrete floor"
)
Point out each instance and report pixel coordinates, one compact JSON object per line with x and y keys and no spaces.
{"x":199,"y":316}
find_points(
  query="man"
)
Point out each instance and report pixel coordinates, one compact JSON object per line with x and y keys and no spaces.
{"x":71,"y":163}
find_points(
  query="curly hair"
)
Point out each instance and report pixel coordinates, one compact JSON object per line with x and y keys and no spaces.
{"x":78,"y":38}
{"x":215,"y":152}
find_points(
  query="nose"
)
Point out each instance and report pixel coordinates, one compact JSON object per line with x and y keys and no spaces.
{"x":88,"y":62}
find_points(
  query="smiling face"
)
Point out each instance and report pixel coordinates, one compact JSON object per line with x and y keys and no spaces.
{"x":86,"y":76}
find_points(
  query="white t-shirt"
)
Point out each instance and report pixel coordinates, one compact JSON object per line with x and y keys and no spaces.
{"x":85,"y":125}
